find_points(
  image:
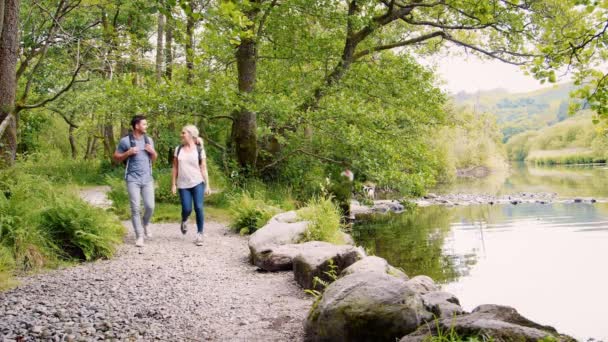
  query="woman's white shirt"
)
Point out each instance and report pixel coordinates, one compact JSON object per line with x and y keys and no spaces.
{"x":188,"y":169}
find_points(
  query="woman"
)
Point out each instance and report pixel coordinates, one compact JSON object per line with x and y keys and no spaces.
{"x":190,"y":177}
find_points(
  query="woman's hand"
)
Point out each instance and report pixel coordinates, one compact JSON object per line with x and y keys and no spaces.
{"x":174,"y":189}
{"x":207,"y":190}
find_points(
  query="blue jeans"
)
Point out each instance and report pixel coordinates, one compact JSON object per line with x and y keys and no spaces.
{"x":196,"y":195}
{"x":137,"y":191}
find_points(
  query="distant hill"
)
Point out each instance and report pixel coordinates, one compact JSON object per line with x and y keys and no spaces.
{"x":520,"y":112}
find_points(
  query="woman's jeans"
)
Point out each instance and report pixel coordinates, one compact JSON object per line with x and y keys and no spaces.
{"x":196,"y":195}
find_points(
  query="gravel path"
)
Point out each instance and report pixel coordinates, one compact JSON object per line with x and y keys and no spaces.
{"x":168,"y":290}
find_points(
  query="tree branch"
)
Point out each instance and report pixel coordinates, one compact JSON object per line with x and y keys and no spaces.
{"x":65,"y":118}
{"x":264,"y":18}
{"x":398,"y":44}
{"x":53,"y":98}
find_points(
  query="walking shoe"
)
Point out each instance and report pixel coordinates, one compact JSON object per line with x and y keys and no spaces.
{"x":199,"y":239}
{"x":139,"y":242}
{"x":184,"y":227}
{"x":147,"y":232}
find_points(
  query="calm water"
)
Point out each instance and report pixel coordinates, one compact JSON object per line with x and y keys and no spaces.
{"x":547,"y":261}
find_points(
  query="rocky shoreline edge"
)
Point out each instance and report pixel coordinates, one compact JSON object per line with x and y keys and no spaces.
{"x":364,"y":298}
{"x":461,"y":199}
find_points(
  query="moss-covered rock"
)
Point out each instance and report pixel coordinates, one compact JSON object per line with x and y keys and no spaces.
{"x":366,"y":306}
{"x":495,"y":322}
{"x":266,"y":244}
{"x":318,"y":258}
{"x":374,"y":264}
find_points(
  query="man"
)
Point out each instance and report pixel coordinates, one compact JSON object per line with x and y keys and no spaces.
{"x":137,"y":149}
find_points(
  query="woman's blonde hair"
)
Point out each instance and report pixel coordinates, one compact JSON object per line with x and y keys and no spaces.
{"x":192,"y":130}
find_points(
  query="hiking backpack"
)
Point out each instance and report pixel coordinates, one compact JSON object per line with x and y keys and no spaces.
{"x":199,"y":149}
{"x":132,"y":143}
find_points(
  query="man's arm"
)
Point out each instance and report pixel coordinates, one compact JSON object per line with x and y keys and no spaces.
{"x":150,"y":149}
{"x":123,"y":152}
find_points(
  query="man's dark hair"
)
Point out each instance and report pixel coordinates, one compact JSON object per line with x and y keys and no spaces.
{"x":136,"y":119}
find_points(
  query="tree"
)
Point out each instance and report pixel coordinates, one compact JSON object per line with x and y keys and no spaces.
{"x":504,"y":30}
{"x":9,"y":43}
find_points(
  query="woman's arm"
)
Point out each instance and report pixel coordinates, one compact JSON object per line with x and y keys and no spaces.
{"x":174,"y":176}
{"x":205,"y":175}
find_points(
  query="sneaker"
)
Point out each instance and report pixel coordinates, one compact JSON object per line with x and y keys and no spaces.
{"x":139,"y":242}
{"x":199,"y":239}
{"x":147,"y":232}
{"x":184,"y":227}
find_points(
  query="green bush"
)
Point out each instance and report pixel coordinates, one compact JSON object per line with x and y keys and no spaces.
{"x":324,"y":217}
{"x":61,"y":169}
{"x":80,"y":231}
{"x":43,"y":224}
{"x":119,"y":196}
{"x":163,"y":192}
{"x":250,"y":213}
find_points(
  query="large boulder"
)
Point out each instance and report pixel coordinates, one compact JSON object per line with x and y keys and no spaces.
{"x":317,"y":258}
{"x":423,"y":284}
{"x":366,"y":306}
{"x":374,"y":264}
{"x":282,"y":229}
{"x":495,"y":322}
{"x":442,"y":304}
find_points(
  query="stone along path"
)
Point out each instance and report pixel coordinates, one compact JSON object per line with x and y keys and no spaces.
{"x":169,"y":290}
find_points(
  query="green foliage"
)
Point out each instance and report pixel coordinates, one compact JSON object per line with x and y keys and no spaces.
{"x":317,"y":283}
{"x":517,"y":113}
{"x":249,"y":212}
{"x":119,"y":196}
{"x":472,"y":140}
{"x":573,"y":141}
{"x":43,"y":224}
{"x":79,"y":230}
{"x":162,"y":192}
{"x":60,"y":169}
{"x":324,"y":217}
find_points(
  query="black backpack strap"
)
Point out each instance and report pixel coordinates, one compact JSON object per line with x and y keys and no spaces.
{"x":132,"y":140}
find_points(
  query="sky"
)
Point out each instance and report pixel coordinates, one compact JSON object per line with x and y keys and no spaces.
{"x":471,"y":74}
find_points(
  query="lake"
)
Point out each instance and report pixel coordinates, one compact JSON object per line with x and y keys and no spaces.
{"x":546,"y":260}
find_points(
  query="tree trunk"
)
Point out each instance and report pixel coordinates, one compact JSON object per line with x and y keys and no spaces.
{"x":91,"y":148}
{"x":244,"y":127}
{"x":190,"y":45}
{"x":109,"y":144}
{"x":73,"y":142}
{"x":169,"y":48}
{"x":159,"y":46}
{"x":1,"y":16}
{"x":9,"y":44}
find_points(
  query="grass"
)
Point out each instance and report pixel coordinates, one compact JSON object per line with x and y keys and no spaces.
{"x":250,"y":212}
{"x":324,"y":217}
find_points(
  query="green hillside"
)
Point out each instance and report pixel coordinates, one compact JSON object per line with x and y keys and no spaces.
{"x":520,"y":112}
{"x":575,"y":140}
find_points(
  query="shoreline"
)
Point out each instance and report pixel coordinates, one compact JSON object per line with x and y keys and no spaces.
{"x":463,"y":199}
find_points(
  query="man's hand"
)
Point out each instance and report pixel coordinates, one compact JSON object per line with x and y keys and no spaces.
{"x":149,"y":149}
{"x":132,"y":151}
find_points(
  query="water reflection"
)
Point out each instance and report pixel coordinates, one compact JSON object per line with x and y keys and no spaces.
{"x":413,"y":242}
{"x":548,"y":261}
{"x":566,"y":181}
